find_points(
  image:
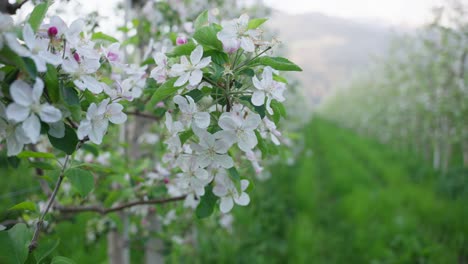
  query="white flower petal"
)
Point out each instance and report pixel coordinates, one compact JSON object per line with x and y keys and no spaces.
{"x":32,"y":128}
{"x":202,"y":119}
{"x":50,"y":114}
{"x":195,"y":77}
{"x":258,"y":98}
{"x":182,"y":79}
{"x":21,"y":93}
{"x":243,"y":199}
{"x":17,"y":112}
{"x":196,"y":55}
{"x":226,"y":204}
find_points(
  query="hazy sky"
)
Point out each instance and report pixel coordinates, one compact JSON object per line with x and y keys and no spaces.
{"x":397,"y":12}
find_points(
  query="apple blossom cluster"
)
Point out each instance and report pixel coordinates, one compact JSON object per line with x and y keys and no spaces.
{"x":226,"y":96}
{"x":54,"y":72}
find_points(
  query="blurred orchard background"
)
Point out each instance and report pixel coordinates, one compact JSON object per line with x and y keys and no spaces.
{"x":375,"y":167}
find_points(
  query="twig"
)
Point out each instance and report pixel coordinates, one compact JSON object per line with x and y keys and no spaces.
{"x":102,"y":210}
{"x":6,"y":7}
{"x":40,"y":222}
{"x":148,"y":116}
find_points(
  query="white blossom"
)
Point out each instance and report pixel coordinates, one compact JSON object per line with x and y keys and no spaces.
{"x":97,"y":120}
{"x":227,"y":191}
{"x":190,"y":113}
{"x":27,"y":108}
{"x":190,"y":71}
{"x":235,"y":34}
{"x":239,"y":127}
{"x":268,"y":88}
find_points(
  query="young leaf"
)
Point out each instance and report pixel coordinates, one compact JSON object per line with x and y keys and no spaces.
{"x":52,"y":83}
{"x":41,"y":165}
{"x":256,"y":22}
{"x":277,"y":63}
{"x":102,"y":36}
{"x":24,"y":206}
{"x":37,"y":15}
{"x":207,"y":203}
{"x":202,"y":20}
{"x":206,"y":36}
{"x":20,"y":237}
{"x":278,"y":107}
{"x":261,"y":144}
{"x":185,"y":49}
{"x":32,"y":154}
{"x":44,"y":249}
{"x":161,"y":93}
{"x":66,"y":144}
{"x":82,"y":180}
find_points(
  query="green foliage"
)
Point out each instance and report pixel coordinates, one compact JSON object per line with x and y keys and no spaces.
{"x":161,"y":93}
{"x":277,"y":63}
{"x":207,"y":203}
{"x":14,"y":244}
{"x":37,"y":15}
{"x":32,"y":154}
{"x":82,"y":180}
{"x":104,"y":37}
{"x":206,"y":36}
{"x":202,"y":20}
{"x":67,"y":143}
{"x":256,"y":22}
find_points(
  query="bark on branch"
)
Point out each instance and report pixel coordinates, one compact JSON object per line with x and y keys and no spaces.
{"x":102,"y":210}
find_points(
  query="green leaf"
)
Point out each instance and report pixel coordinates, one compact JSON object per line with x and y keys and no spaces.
{"x":235,"y":177}
{"x":278,"y":107}
{"x":217,"y":57}
{"x":261,"y":144}
{"x":70,"y":95}
{"x":24,"y":206}
{"x":207,"y":203}
{"x":279,"y":78}
{"x":37,"y":15}
{"x":196,"y":95}
{"x":13,"y":161}
{"x":9,"y":57}
{"x":256,"y":22}
{"x":161,"y":93}
{"x":62,"y":260}
{"x":41,"y":165}
{"x":52,"y":83}
{"x":91,"y":148}
{"x":202,"y":20}
{"x":20,"y":237}
{"x":184,"y":136}
{"x":206,"y":36}
{"x":82,"y":180}
{"x":102,"y":36}
{"x":277,"y":63}
{"x":66,"y":144}
{"x":182,"y":50}
{"x":45,"y":248}
{"x":32,"y":154}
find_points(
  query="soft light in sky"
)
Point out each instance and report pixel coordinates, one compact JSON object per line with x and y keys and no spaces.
{"x":396,"y":12}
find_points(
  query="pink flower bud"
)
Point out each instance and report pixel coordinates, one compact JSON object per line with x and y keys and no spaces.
{"x":76,"y":56}
{"x":111,"y":56}
{"x":52,"y":31}
{"x":181,"y":40}
{"x":166,"y":181}
{"x":160,"y":104}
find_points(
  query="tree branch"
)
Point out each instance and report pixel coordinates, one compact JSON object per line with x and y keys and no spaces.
{"x":102,"y":210}
{"x":140,"y":114}
{"x":40,"y":222}
{"x":6,"y":7}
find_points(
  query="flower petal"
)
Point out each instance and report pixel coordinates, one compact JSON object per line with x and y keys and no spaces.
{"x":50,"y":114}
{"x":226,"y":204}
{"x":196,"y":55}
{"x":32,"y":128}
{"x":21,"y":93}
{"x":17,"y":112}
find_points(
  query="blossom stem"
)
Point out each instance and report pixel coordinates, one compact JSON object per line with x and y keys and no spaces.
{"x":248,"y":61}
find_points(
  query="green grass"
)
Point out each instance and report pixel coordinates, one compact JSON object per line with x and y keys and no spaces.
{"x":346,"y":200}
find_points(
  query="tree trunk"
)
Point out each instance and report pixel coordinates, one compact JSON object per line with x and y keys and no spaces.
{"x":154,"y":246}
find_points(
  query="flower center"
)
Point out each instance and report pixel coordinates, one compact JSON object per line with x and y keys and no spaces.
{"x":53,"y":31}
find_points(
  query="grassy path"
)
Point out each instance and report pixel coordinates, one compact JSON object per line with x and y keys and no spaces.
{"x":357,"y":203}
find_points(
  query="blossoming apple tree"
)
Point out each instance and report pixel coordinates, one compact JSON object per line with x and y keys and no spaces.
{"x":213,"y":94}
